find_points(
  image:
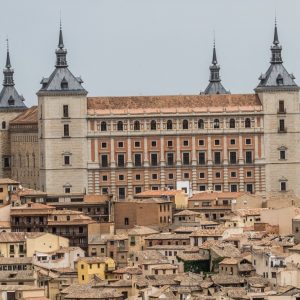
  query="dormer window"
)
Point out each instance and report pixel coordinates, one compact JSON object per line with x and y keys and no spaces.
{"x":279,"y":80}
{"x":64,"y":84}
{"x":11,"y":101}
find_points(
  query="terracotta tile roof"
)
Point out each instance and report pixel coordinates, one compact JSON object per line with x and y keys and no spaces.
{"x":15,"y":260}
{"x":242,"y":212}
{"x":191,"y":256}
{"x":187,"y":212}
{"x":95,"y":198}
{"x":217,"y":231}
{"x":8,"y":181}
{"x":157,"y":193}
{"x":29,"y":116}
{"x":167,"y":236}
{"x":229,"y":261}
{"x":227,"y":279}
{"x":30,"y":192}
{"x":33,"y":206}
{"x":212,"y":195}
{"x":129,"y":270}
{"x":165,"y":266}
{"x":93,"y":260}
{"x":11,"y":237}
{"x":141,"y":230}
{"x":180,"y":103}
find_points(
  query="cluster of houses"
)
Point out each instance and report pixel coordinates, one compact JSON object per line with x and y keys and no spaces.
{"x":158,"y":245}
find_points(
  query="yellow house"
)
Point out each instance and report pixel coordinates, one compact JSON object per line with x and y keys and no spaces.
{"x":87,"y":267}
{"x":7,"y":187}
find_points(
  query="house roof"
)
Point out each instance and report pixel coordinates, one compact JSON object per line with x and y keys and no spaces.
{"x":141,"y":230}
{"x":229,"y":261}
{"x":29,"y":116}
{"x":187,"y":212}
{"x":8,"y":181}
{"x":213,"y":195}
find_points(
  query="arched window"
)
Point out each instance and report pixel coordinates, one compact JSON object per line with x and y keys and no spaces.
{"x":232,"y":123}
{"x":200,"y":124}
{"x":169,"y":125}
{"x":137,"y":125}
{"x":247,"y":123}
{"x":120,"y":126}
{"x":103,"y":126}
{"x":3,"y":125}
{"x":153,"y":125}
{"x":185,"y":124}
{"x":216,"y":123}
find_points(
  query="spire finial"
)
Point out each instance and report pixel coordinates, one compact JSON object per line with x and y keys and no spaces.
{"x":60,"y":41}
{"x":8,"y":64}
{"x":276,"y":40}
{"x":214,"y":59}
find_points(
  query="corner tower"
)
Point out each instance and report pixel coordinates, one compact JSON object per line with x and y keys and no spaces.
{"x":62,"y":106}
{"x":11,"y":105}
{"x":215,"y":86}
{"x":279,"y":95}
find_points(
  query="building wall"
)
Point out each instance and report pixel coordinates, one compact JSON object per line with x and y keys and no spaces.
{"x":55,"y":176}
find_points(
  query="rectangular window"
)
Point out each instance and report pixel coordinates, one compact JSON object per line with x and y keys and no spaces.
{"x":233,"y":174}
{"x":154,"y":159}
{"x":232,"y":142}
{"x":185,"y":143}
{"x":153,"y":143}
{"x":138,"y":177}
{"x":67,"y":190}
{"x":201,"y":158}
{"x":137,"y":159}
{"x":281,"y":108}
{"x":121,"y":177}
{"x":154,"y":176}
{"x":126,"y":221}
{"x":186,"y":175}
{"x":218,"y":187}
{"x":171,"y":176}
{"x":249,"y":157}
{"x":249,"y":188}
{"x":66,"y":130}
{"x":218,"y":175}
{"x":249,"y":174}
{"x":170,"y":159}
{"x":103,"y":145}
{"x":6,"y":161}
{"x":104,"y":160}
{"x":233,"y":188}
{"x":185,"y":158}
{"x":248,"y":141}
{"x":121,"y":144}
{"x":202,"y":175}
{"x":137,"y":189}
{"x":202,"y":187}
{"x":170,"y":143}
{"x":104,"y":191}
{"x":217,"y":142}
{"x":137,"y":144}
{"x":104,"y":178}
{"x":283,"y":186}
{"x":121,"y":160}
{"x":122,"y":193}
{"x":217,"y":158}
{"x":282,"y":154}
{"x":67,"y":160}
{"x":66,"y":111}
{"x":232,"y":157}
{"x":201,"y":142}
{"x":282,"y":125}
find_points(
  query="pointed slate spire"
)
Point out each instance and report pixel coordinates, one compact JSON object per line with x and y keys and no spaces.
{"x":8,"y":72}
{"x":215,"y":86}
{"x":61,"y":52}
{"x":276,"y":48}
{"x":277,"y":77}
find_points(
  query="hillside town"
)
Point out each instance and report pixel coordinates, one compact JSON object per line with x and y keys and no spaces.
{"x":171,"y":197}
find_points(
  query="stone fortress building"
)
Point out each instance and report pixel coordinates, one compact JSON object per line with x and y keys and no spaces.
{"x":74,"y":144}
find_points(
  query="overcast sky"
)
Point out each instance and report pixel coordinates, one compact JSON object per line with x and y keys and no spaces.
{"x":148,"y":47}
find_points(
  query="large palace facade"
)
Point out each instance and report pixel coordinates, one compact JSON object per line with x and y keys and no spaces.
{"x":74,"y":144}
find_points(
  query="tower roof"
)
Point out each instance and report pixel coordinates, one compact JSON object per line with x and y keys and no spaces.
{"x":9,"y":97}
{"x":61,"y":81}
{"x":215,"y":86}
{"x":276,"y":77}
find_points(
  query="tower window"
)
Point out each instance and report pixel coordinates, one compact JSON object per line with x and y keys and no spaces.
{"x":11,"y":101}
{"x":279,"y":79}
{"x":66,"y":111}
{"x":153,"y":125}
{"x":120,"y":126}
{"x":282,"y":186}
{"x":281,"y":108}
{"x":282,"y":154}
{"x":67,"y":159}
{"x":281,"y":126}
{"x":66,"y":130}
{"x":3,"y":125}
{"x":169,"y":125}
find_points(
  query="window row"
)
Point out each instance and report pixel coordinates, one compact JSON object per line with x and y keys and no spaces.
{"x":155,"y":159}
{"x":170,"y":124}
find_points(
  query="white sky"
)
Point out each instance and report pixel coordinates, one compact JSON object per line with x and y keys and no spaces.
{"x":143,"y":47}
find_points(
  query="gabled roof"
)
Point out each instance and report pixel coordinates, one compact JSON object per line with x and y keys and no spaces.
{"x":29,"y":116}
